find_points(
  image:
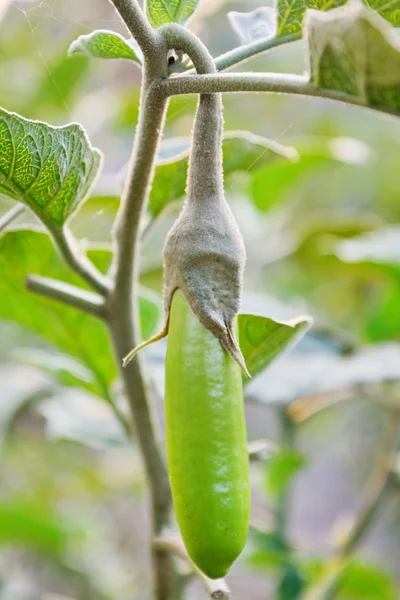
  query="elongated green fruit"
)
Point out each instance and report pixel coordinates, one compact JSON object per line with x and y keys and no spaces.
{"x":206,"y":442}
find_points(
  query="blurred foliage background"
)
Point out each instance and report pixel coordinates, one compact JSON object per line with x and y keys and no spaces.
{"x":323,"y":237}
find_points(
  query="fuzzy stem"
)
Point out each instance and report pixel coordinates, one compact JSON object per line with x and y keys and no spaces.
{"x":245,"y":52}
{"x":122,"y":305}
{"x":252,"y":82}
{"x":137,"y":24}
{"x":68,"y":294}
{"x":68,"y":247}
{"x":206,"y":151}
{"x":12,"y":214}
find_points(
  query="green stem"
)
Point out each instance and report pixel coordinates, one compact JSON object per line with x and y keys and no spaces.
{"x":122,"y":303}
{"x":68,"y":294}
{"x":252,"y":82}
{"x":286,"y":444}
{"x":12,"y":214}
{"x":242,"y":53}
{"x":137,"y":24}
{"x":69,"y":249}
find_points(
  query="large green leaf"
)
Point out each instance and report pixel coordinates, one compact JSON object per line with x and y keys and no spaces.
{"x":290,"y":13}
{"x":77,"y":334}
{"x":362,"y":581}
{"x":262,"y":339}
{"x":50,"y":169}
{"x":160,"y":12}
{"x":105,"y":44}
{"x":354,"y":50}
{"x":317,"y":154}
{"x":241,"y":152}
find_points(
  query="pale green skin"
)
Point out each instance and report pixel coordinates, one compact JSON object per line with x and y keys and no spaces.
{"x":206,"y":442}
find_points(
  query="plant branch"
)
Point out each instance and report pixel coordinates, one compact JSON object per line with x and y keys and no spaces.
{"x":12,"y":214}
{"x":122,"y":303}
{"x":68,"y":294}
{"x":286,"y":444}
{"x":136,"y":22}
{"x":69,"y":249}
{"x":252,"y":82}
{"x":241,"y":53}
{"x":215,"y":588}
{"x":180,"y":38}
{"x":377,"y":490}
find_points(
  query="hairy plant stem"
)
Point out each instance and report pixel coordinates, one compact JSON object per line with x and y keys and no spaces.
{"x":12,"y":214}
{"x":247,"y":51}
{"x":88,"y":302}
{"x":122,"y":302}
{"x":69,"y":249}
{"x":137,"y":24}
{"x":252,"y":82}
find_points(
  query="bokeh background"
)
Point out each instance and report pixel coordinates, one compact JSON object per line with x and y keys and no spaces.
{"x":323,"y":239}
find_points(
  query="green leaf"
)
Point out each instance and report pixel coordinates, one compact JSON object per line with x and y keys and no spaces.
{"x":292,"y":584}
{"x":268,"y":550}
{"x":160,"y":12}
{"x":257,"y":24}
{"x":366,"y":582}
{"x":291,"y":13}
{"x":28,"y":525}
{"x":270,"y":185}
{"x":281,"y":468}
{"x":50,"y":169}
{"x":378,"y":247}
{"x":241,"y":152}
{"x":354,"y":50}
{"x":262,"y":339}
{"x":388,"y":10}
{"x":79,"y":335}
{"x":59,"y":87}
{"x":105,"y":44}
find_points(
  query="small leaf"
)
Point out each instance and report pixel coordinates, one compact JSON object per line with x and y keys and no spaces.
{"x":29,"y":525}
{"x":106,"y":44}
{"x":50,"y":169}
{"x":257,"y":24}
{"x":268,"y":550}
{"x":160,"y":12}
{"x":261,"y":339}
{"x":241,"y":151}
{"x":292,"y":583}
{"x":281,"y":468}
{"x":355,"y":51}
{"x":377,"y":247}
{"x":79,"y":335}
{"x":366,"y":582}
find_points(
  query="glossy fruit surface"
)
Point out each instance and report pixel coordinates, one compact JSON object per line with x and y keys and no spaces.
{"x":206,"y":442}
